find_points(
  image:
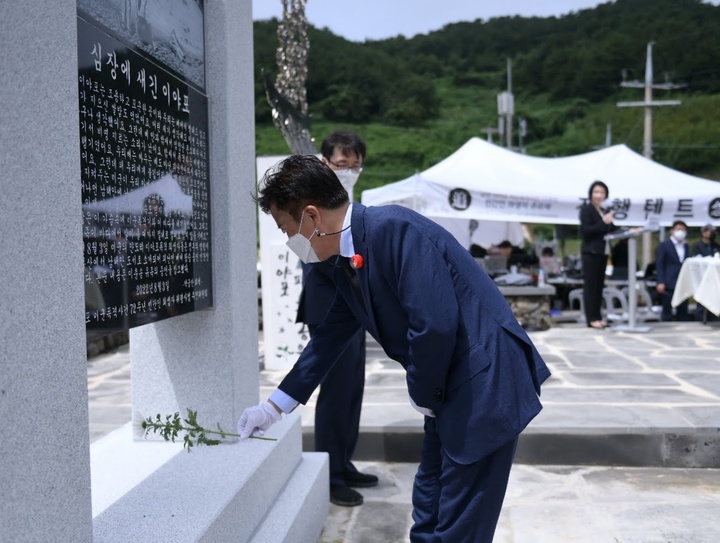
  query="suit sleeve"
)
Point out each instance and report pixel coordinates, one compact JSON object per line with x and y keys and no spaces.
{"x":322,"y":351}
{"x":592,"y":223}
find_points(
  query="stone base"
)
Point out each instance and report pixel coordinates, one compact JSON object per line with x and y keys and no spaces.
{"x":531,"y":305}
{"x":254,"y":491}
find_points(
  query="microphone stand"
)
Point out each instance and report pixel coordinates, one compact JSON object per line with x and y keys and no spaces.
{"x":631,"y":236}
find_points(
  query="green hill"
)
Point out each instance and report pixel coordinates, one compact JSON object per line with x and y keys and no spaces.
{"x":417,"y":100}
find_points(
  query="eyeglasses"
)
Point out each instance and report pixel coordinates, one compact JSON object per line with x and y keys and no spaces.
{"x":356,"y":169}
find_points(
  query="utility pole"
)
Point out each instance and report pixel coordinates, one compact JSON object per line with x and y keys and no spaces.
{"x":648,"y":104}
{"x":522,"y":132}
{"x":608,"y":135}
{"x":608,"y":139}
{"x":506,"y":108}
{"x":489,"y":131}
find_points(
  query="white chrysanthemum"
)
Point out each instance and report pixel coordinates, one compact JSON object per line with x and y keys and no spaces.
{"x":137,"y":425}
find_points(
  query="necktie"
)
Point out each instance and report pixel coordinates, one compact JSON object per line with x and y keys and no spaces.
{"x":353,"y":278}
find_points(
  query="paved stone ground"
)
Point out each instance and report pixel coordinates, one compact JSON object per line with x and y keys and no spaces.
{"x":610,"y":459}
{"x":555,"y":504}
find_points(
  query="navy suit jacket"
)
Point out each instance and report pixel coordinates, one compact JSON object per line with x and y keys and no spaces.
{"x":436,"y":312}
{"x":667,"y":263}
{"x":318,"y":292}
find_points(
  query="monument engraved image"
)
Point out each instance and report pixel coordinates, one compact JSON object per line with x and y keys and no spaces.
{"x":144,"y":168}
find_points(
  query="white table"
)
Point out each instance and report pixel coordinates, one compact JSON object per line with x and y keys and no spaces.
{"x":699,"y":277}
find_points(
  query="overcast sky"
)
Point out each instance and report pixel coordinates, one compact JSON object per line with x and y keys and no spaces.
{"x":359,"y":20}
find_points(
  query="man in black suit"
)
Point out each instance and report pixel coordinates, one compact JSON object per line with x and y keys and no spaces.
{"x":669,"y":258}
{"x":707,"y":246}
{"x":337,"y":411}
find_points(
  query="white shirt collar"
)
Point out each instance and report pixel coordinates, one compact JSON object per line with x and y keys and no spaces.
{"x":347,"y":248}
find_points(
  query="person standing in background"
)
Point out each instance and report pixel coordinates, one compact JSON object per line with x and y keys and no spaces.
{"x":670,"y":255}
{"x":707,"y":246}
{"x":595,"y":223}
{"x":337,"y":411}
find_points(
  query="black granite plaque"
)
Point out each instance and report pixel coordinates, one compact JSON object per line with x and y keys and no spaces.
{"x":145,"y":185}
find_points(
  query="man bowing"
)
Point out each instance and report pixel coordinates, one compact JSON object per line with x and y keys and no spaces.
{"x":471,"y":368}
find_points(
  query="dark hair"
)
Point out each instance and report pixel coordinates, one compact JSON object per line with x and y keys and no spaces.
{"x":598,"y":184}
{"x":547,"y":251}
{"x":505,"y":244}
{"x":682,"y":223}
{"x":298,"y":181}
{"x":346,"y":141}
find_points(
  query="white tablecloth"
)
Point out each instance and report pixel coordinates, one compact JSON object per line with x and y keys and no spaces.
{"x":699,"y":277}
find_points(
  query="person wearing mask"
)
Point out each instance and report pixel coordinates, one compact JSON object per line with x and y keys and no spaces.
{"x":669,"y":257}
{"x":595,"y":223}
{"x":707,"y":246}
{"x":470,"y":367}
{"x":339,"y":402}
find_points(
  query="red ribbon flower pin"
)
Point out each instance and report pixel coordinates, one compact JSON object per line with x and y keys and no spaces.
{"x":356,"y":261}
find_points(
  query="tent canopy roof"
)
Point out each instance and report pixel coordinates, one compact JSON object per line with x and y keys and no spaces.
{"x":485,"y":182}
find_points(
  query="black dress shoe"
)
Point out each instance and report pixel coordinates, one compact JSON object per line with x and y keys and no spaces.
{"x":360,"y":480}
{"x":345,"y":496}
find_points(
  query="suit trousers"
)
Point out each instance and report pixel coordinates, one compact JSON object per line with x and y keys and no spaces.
{"x":456,"y":503}
{"x":337,"y":411}
{"x":681,"y":310}
{"x":593,"y":268}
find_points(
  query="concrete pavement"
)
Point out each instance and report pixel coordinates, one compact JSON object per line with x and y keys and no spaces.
{"x":626,"y":450}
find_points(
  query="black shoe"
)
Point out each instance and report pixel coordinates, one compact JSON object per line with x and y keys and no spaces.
{"x":345,"y":496}
{"x":359,"y":480}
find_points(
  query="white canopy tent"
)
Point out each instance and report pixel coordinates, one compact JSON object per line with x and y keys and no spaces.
{"x":484,"y":182}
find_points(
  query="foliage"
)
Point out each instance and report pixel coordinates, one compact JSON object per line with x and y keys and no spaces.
{"x":417,"y":100}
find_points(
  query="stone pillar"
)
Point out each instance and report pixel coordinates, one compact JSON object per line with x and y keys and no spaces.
{"x":44,"y":450}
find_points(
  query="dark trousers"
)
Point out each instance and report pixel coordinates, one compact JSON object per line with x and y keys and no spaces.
{"x":337,"y":411}
{"x":701,"y":316}
{"x":667,"y":309}
{"x":458,"y":503}
{"x":593,"y":268}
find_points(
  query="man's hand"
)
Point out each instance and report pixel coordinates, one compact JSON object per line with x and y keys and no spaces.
{"x":256,"y":419}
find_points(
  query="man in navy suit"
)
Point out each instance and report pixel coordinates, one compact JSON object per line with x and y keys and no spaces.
{"x":338,"y":406}
{"x":669,"y":258}
{"x":470,"y":367}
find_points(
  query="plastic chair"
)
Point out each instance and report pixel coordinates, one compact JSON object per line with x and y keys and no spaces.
{"x":646,"y":311}
{"x":615,"y":300}
{"x":575,"y":296}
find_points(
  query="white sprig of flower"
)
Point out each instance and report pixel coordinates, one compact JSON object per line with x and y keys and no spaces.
{"x":138,"y":426}
{"x":170,"y":427}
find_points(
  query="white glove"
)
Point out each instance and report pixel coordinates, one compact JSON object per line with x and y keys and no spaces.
{"x":256,"y":419}
{"x":424,"y":410}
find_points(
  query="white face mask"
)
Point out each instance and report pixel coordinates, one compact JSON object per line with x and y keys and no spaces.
{"x":347,"y":178}
{"x":301,"y":246}
{"x":679,"y":235}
